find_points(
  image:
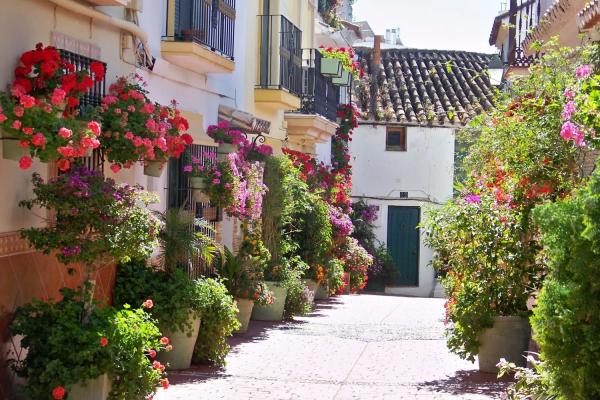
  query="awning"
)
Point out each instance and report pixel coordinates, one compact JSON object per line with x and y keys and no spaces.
{"x":243,"y":120}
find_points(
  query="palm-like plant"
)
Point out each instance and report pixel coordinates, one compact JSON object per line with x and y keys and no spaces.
{"x":182,"y":239}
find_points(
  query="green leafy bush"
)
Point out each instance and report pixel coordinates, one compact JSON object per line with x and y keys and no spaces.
{"x":566,"y":321}
{"x":296,"y":302}
{"x":74,"y":340}
{"x":335,"y":275}
{"x":133,"y":339}
{"x":219,"y":321}
{"x":63,"y":343}
{"x":173,"y":294}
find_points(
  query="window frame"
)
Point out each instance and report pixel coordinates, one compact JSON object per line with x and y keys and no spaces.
{"x":402,"y":131}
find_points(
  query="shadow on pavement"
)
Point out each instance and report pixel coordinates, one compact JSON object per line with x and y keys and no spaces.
{"x":469,"y":382}
{"x":257,"y":331}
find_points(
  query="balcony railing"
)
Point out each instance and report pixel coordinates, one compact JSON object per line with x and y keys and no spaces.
{"x":92,"y":97}
{"x":524,"y":15}
{"x":319,"y":95}
{"x":280,"y":54}
{"x":210,"y":23}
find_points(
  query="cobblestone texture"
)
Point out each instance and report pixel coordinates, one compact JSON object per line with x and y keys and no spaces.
{"x":350,"y":347}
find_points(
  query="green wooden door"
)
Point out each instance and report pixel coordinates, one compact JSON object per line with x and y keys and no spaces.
{"x":403,"y":244}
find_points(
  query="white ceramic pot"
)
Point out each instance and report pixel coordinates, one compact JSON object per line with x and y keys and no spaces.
{"x":508,"y":339}
{"x":322,"y":292}
{"x":183,"y":346}
{"x":224,"y":150}
{"x":344,"y":80}
{"x":92,"y":389}
{"x":271,"y":312}
{"x":331,"y":67}
{"x":154,"y":168}
{"x":312,"y":288}
{"x":245,"y":307}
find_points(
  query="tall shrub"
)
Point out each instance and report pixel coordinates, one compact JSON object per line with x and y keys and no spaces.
{"x":566,"y":321}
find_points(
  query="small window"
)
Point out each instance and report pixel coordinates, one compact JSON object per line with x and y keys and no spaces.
{"x":395,"y":139}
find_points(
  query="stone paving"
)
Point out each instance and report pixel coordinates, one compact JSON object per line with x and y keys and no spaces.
{"x":350,"y":347}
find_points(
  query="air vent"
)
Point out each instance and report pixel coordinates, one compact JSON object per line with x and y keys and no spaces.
{"x":404,"y":195}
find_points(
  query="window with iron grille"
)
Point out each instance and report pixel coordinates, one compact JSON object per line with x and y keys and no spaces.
{"x":92,"y":98}
{"x":179,"y":194}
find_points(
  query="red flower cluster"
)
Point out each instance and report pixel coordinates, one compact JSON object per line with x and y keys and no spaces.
{"x":43,"y":95}
{"x":44,"y":73}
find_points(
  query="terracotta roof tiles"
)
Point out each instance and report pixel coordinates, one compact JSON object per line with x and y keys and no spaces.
{"x":425,"y":87}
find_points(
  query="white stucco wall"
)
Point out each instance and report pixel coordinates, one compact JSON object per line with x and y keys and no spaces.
{"x":323,"y":152}
{"x":425,"y":171}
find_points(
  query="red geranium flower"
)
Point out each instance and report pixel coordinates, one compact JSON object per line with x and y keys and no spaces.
{"x":25,"y":162}
{"x":58,"y":393}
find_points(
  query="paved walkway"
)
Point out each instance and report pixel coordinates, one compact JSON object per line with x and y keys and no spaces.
{"x":350,"y":347}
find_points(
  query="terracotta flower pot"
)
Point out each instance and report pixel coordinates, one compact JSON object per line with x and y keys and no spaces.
{"x":245,"y":307}
{"x":92,"y":389}
{"x":183,"y":346}
{"x":312,"y":288}
{"x":224,"y":150}
{"x":271,"y":312}
{"x":508,"y":339}
{"x":154,"y":168}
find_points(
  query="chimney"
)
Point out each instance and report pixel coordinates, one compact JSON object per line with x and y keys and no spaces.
{"x":377,"y":50}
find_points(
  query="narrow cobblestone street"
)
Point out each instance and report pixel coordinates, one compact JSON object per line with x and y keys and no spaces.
{"x":350,"y":347}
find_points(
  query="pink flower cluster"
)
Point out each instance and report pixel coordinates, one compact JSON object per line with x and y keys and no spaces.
{"x":137,"y":129}
{"x":340,"y":221}
{"x":570,"y":130}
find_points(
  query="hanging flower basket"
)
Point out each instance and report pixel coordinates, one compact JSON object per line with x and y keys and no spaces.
{"x":331,"y":67}
{"x":40,"y":110}
{"x":136,"y":129}
{"x":154,"y":168}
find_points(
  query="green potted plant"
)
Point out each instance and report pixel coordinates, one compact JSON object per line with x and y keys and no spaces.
{"x":242,"y":275}
{"x":490,"y":274}
{"x":351,"y":70}
{"x":219,"y":322}
{"x":87,"y":353}
{"x":180,"y":242}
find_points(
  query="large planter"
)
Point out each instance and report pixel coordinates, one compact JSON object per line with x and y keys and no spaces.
{"x":508,"y":339}
{"x":271,"y":312}
{"x":183,"y":346}
{"x":312,"y":287}
{"x":11,"y":148}
{"x":154,"y":168}
{"x":322,"y":292}
{"x":199,"y":186}
{"x":331,"y":67}
{"x":344,"y":80}
{"x":92,"y":389}
{"x":224,"y":150}
{"x":245,"y":307}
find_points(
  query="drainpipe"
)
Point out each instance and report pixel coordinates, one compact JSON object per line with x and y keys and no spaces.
{"x":127,"y":26}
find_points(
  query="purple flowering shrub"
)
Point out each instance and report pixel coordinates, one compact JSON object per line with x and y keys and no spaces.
{"x":340,"y":221}
{"x":96,"y":221}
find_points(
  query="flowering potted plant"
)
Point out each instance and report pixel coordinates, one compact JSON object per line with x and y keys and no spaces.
{"x":243,"y":275}
{"x":110,"y":352}
{"x":228,"y":139}
{"x":97,"y":221}
{"x":234,"y":184}
{"x":351,"y":70}
{"x":38,"y":115}
{"x":178,"y":298}
{"x":136,"y":129}
{"x":357,"y":262}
